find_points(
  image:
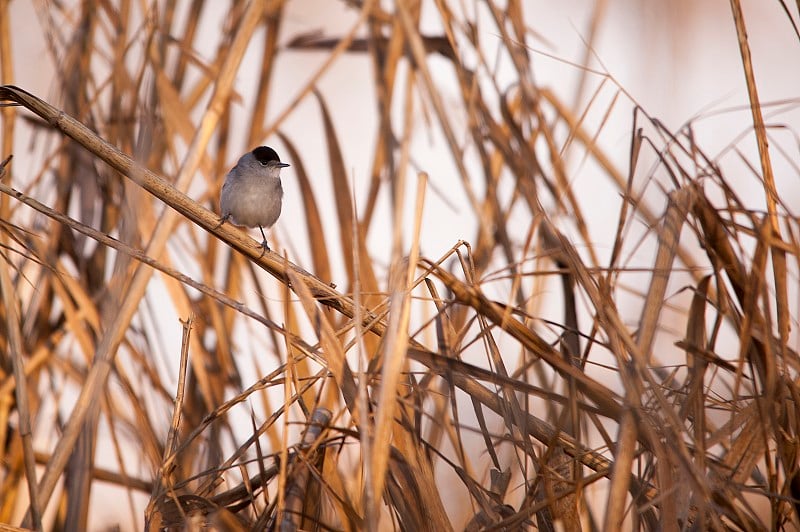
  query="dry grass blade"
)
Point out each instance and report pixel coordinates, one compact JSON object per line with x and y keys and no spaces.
{"x":394,"y":355}
{"x":14,"y":339}
{"x":669,"y":236}
{"x":302,"y":504}
{"x":623,"y":462}
{"x":770,"y":190}
{"x":331,"y":345}
{"x":319,"y":251}
{"x":169,"y":448}
{"x":344,"y":211}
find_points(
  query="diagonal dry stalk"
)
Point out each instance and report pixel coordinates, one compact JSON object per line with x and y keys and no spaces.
{"x":14,"y":338}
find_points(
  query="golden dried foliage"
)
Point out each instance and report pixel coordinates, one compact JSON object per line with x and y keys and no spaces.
{"x":417,"y":392}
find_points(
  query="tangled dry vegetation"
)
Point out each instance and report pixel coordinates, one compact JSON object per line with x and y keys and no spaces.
{"x":415,"y":393}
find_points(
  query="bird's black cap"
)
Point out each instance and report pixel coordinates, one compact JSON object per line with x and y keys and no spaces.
{"x":265,"y":154}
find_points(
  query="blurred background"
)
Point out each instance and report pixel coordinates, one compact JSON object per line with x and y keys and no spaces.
{"x":361,"y":98}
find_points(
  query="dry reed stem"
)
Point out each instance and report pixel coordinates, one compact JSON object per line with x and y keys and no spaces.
{"x":668,"y":238}
{"x":21,"y":391}
{"x":396,"y":341}
{"x":623,"y":462}
{"x":770,"y":190}
{"x":169,"y":448}
{"x":351,"y":234}
{"x":14,"y":338}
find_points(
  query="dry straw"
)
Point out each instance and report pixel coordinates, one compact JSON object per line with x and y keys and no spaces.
{"x":420,"y":393}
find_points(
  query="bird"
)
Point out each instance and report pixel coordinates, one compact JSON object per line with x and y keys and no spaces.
{"x":252,"y":193}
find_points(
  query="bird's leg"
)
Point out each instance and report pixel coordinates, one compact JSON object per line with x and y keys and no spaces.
{"x":264,"y":243}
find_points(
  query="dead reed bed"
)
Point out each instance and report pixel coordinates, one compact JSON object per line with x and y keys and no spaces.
{"x":523,"y":379}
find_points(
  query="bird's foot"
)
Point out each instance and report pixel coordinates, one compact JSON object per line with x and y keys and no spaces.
{"x":264,"y":246}
{"x":222,"y":221}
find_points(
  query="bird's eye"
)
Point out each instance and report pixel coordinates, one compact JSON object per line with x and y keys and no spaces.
{"x":263,"y":163}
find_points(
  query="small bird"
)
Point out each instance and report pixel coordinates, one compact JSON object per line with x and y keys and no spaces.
{"x":252,"y":193}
